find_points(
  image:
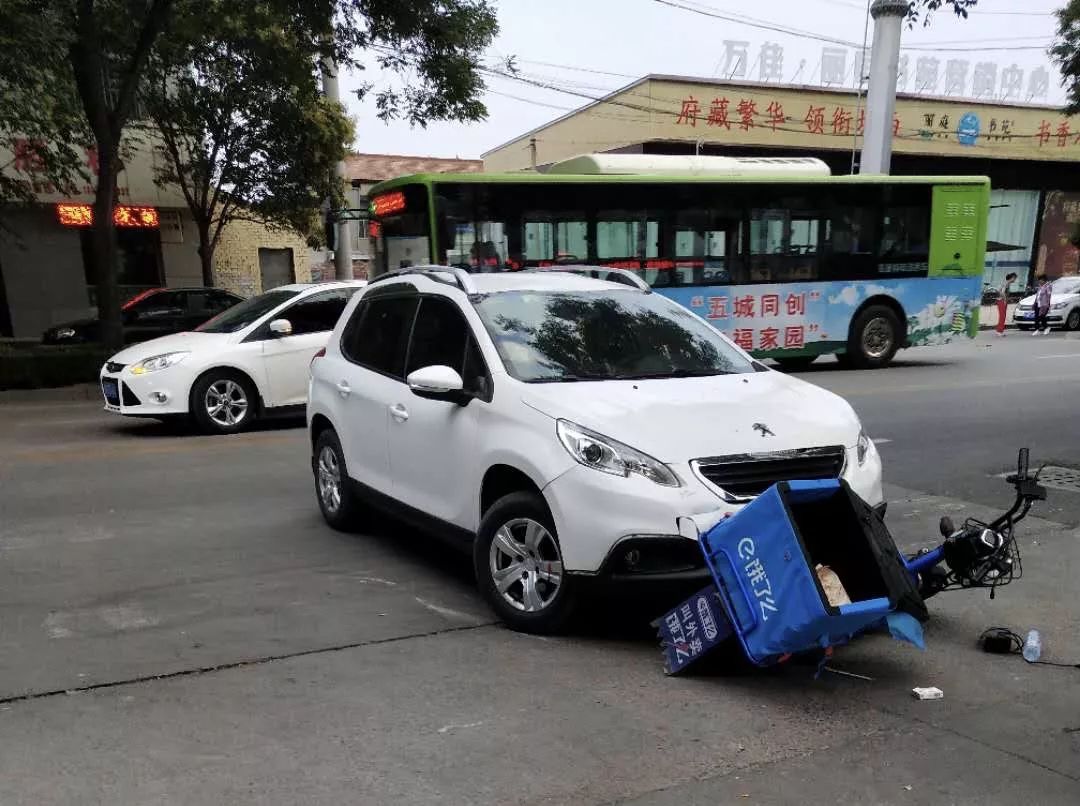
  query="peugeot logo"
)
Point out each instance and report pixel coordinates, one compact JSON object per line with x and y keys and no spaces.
{"x":763,"y":430}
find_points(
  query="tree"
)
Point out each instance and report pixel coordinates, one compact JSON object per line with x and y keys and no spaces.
{"x":107,"y":46}
{"x":245,"y":131}
{"x":1066,"y":53}
{"x":42,"y":133}
{"x":924,"y":9}
{"x":109,"y":43}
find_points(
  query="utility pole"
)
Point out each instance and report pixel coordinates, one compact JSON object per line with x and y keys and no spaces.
{"x":342,"y":240}
{"x":881,"y":95}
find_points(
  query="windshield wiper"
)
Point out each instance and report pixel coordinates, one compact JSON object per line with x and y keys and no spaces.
{"x":574,"y":377}
{"x":674,"y":373}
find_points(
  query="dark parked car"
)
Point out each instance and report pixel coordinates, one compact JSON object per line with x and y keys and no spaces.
{"x":153,"y":313}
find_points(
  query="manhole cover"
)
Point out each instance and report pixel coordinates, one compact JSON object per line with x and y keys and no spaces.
{"x":1060,"y":478}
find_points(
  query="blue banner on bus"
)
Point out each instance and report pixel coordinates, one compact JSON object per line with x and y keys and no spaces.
{"x":816,"y":317}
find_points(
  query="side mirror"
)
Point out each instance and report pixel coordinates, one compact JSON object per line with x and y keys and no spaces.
{"x":438,"y":382}
{"x":281,"y":327}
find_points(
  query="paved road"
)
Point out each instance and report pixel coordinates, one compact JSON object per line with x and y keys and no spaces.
{"x":178,"y":626}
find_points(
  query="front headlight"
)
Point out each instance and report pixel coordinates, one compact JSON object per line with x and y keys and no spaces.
{"x":1057,"y":306}
{"x":608,"y":456}
{"x":156,"y":362}
{"x":64,"y":333}
{"x":862,"y":447}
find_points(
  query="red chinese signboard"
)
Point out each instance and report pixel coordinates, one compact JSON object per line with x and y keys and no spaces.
{"x":82,"y":215}
{"x":388,"y":203}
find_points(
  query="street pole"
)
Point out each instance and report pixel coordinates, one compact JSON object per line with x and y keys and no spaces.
{"x":342,"y":242}
{"x":881,"y":94}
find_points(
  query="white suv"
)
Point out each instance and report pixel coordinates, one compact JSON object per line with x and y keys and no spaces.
{"x":559,"y":427}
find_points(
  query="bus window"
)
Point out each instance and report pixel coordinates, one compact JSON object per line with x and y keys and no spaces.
{"x":905,"y":232}
{"x":624,"y":239}
{"x":550,"y":242}
{"x":784,"y":243}
{"x":706,"y":246}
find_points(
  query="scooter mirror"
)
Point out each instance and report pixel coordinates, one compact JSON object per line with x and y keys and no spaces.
{"x":946,"y":527}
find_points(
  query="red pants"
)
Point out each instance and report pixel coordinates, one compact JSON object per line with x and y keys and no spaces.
{"x":1002,"y":308}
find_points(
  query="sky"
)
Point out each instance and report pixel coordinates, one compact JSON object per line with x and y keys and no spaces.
{"x":583,"y":49}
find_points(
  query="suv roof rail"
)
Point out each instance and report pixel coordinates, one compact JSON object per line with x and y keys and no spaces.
{"x":461,"y":278}
{"x":624,"y":276}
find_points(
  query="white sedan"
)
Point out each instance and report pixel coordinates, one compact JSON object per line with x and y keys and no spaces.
{"x":251,"y":360}
{"x":1064,"y":306}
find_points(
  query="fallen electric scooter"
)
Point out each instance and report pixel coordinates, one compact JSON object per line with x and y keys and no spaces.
{"x":808,"y":565}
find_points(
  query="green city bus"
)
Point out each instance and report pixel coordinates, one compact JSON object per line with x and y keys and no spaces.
{"x":786,"y":260}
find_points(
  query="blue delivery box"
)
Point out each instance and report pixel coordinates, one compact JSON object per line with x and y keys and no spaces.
{"x":764,"y":559}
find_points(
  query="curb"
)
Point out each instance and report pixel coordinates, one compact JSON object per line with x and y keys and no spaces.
{"x":82,"y":391}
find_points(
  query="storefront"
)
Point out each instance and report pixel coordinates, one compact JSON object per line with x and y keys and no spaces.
{"x":1029,"y":152}
{"x":47,"y":274}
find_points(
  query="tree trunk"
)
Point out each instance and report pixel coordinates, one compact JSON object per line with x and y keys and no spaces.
{"x":103,"y":247}
{"x":206,"y":255}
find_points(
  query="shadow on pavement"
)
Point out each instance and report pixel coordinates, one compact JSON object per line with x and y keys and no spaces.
{"x":181,"y":426}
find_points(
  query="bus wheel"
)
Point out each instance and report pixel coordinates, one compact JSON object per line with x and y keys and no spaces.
{"x":874,"y":338}
{"x":796,"y":363}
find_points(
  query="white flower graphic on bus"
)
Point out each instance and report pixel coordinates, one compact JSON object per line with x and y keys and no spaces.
{"x":940,"y":321}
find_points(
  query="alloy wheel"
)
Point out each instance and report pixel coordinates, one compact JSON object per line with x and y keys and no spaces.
{"x":329,"y":472}
{"x":226,"y":402}
{"x":526,"y":565}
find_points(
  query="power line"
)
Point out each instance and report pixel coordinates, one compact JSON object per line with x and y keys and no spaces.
{"x":798,"y":32}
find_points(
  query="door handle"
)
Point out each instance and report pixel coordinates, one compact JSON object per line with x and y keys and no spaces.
{"x":399,"y":412}
{"x":343,"y":388}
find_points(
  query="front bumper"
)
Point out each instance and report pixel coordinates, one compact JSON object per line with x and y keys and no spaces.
{"x":600,"y":518}
{"x":141,"y":395}
{"x":1028,"y":317}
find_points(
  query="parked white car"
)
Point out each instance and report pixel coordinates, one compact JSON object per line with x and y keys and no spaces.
{"x":558,"y":427}
{"x":1064,"y":306}
{"x":249,"y":361}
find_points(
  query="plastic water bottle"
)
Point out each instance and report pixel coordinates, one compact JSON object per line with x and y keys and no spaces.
{"x":1032,"y":647}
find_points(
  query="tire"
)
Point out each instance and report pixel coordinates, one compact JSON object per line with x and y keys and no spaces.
{"x":517,"y":534}
{"x":874,"y":338}
{"x":338,"y":502}
{"x":1072,"y":321}
{"x":799,"y":363}
{"x":223,"y":402}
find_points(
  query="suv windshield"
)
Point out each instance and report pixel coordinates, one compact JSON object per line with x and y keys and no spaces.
{"x":243,"y":314}
{"x":605,"y":335}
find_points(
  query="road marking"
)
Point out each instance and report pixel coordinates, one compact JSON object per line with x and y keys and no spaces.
{"x":882,"y":441}
{"x":446,"y":611}
{"x":54,"y":625}
{"x":127,"y":617}
{"x":448,"y":728}
{"x":1058,"y":355}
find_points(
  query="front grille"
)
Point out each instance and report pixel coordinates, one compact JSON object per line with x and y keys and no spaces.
{"x":744,"y":476}
{"x":129,"y":397}
{"x":112,"y":366}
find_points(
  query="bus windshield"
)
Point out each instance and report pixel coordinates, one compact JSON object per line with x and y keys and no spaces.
{"x":601,"y":336}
